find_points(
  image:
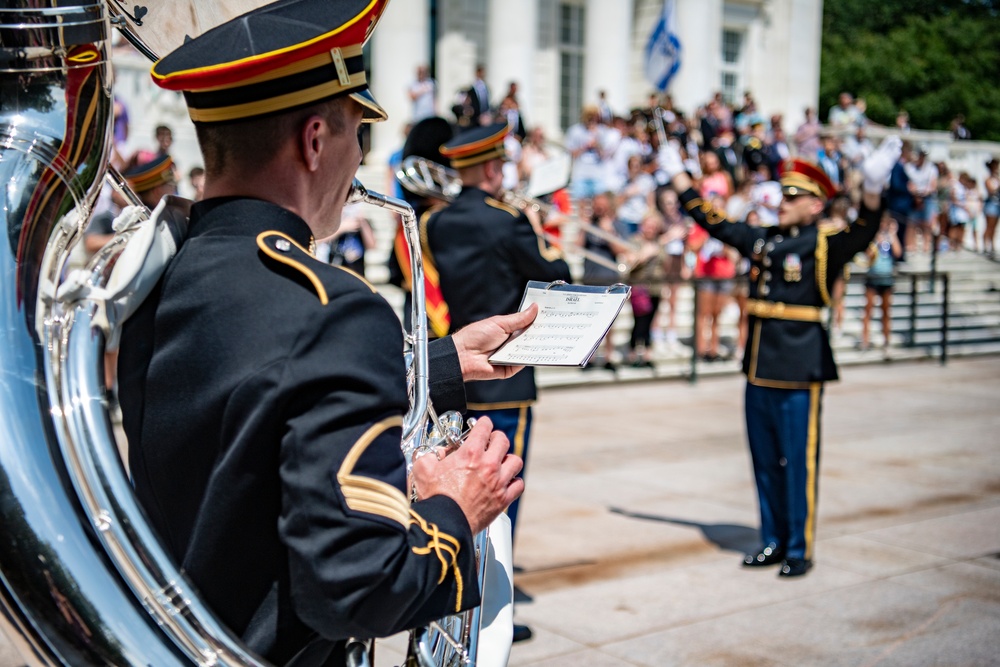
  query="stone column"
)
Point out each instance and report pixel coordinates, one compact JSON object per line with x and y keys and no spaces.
{"x":512,"y":48}
{"x":699,"y":26}
{"x":608,"y":35}
{"x":400,"y":43}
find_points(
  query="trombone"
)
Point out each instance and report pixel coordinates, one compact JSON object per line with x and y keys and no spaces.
{"x":429,"y":179}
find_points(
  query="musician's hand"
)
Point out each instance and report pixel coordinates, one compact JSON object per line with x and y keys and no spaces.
{"x":476,"y":342}
{"x":480,"y":475}
{"x":533,"y":216}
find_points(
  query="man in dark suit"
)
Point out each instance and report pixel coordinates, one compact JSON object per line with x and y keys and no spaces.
{"x":263,"y":391}
{"x":479,"y":97}
{"x":788,"y":355}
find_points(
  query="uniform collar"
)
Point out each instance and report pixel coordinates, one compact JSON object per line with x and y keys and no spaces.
{"x":241,"y":216}
{"x":474,"y":191}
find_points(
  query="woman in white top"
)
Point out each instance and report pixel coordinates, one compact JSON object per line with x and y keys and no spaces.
{"x":991,"y":205}
{"x":974,"y":207}
{"x":635,"y":199}
{"x":958,"y":213}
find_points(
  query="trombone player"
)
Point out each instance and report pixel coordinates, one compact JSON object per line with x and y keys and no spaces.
{"x":263,"y":391}
{"x":485,"y":251}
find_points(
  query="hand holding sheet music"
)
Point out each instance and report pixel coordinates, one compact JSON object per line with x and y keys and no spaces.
{"x":571,"y":321}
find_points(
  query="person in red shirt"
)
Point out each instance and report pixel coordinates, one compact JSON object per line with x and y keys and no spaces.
{"x":714,"y":271}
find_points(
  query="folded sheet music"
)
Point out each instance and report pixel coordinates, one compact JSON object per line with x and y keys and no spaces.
{"x":571,"y":321}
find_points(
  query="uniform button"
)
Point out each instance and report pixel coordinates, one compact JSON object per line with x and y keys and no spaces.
{"x":758,"y":246}
{"x":779,"y":238}
{"x":794,"y":232}
{"x":767,"y":275}
{"x":764,"y":291}
{"x":283,"y":245}
{"x":769,"y":247}
{"x":767,"y":261}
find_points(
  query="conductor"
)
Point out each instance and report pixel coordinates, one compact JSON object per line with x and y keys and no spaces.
{"x":788,"y":356}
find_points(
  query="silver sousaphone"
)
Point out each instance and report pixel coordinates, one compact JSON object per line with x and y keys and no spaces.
{"x":83,"y":579}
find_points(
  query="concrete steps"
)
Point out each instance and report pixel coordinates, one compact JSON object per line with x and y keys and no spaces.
{"x":973,"y":314}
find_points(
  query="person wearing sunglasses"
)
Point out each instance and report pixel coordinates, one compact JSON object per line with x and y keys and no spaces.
{"x":788,"y":357}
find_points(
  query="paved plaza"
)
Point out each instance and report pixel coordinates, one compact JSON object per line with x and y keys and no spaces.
{"x":640,"y":504}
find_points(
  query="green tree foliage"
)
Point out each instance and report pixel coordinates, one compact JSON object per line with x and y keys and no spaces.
{"x":933,"y":58}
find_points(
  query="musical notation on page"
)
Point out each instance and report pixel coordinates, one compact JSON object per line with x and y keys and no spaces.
{"x":571,"y":321}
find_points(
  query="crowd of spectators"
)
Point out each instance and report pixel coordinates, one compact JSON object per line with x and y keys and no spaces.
{"x":734,"y":152}
{"x":616,"y":190}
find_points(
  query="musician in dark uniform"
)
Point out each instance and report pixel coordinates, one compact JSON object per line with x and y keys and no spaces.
{"x":754,"y":151}
{"x":788,"y":355}
{"x":485,"y":252}
{"x":263,"y":390}
{"x":423,"y":141}
{"x":152,"y":180}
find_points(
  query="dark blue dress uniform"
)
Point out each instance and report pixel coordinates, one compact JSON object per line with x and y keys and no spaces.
{"x":262,"y":393}
{"x":788,"y":355}
{"x":484,"y":252}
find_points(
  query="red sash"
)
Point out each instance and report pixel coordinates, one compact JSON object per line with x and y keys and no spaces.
{"x":437,"y":309}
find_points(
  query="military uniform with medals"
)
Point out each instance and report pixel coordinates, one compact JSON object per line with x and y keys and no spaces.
{"x":788,"y":355}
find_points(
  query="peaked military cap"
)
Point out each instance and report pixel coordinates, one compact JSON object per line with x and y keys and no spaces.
{"x":148,"y":175}
{"x":476,"y":146}
{"x":800,"y":176}
{"x":426,"y":137}
{"x":424,"y":141}
{"x":285,"y":55}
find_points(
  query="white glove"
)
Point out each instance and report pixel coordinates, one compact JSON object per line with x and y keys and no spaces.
{"x":877,"y":167}
{"x":670,"y":160}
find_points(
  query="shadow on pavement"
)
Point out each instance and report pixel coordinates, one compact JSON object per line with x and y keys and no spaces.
{"x":728,"y":536}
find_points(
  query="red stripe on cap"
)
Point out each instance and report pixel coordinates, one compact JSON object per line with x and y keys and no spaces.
{"x":812,"y":172}
{"x":225,"y":74}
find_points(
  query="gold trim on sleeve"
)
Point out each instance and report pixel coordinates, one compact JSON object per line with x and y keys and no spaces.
{"x":822,"y":254}
{"x":446,"y":548}
{"x":372,"y":496}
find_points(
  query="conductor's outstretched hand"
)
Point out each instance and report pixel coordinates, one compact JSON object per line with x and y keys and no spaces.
{"x":877,"y":167}
{"x":480,"y":475}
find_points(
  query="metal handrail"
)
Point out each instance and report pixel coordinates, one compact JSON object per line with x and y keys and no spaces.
{"x":911,"y":278}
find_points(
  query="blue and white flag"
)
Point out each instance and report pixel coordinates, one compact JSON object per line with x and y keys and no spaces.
{"x":663,"y":51}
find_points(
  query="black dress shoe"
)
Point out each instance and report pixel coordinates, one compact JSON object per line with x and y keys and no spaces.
{"x":794,"y":567}
{"x":769,"y":555}
{"x":521,"y":633}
